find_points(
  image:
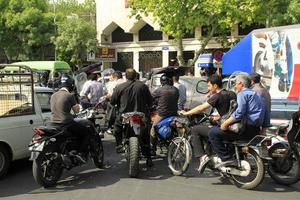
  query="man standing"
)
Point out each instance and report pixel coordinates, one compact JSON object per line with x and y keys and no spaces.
{"x":250,"y":108}
{"x":133,"y":95}
{"x":263,"y":92}
{"x":94,"y":90}
{"x":182,"y":92}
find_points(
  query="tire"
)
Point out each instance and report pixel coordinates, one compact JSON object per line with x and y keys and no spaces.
{"x":5,"y":161}
{"x":253,"y":159}
{"x":133,"y":157}
{"x":179,"y":163}
{"x":284,"y":170}
{"x":98,"y":154}
{"x":55,"y":167}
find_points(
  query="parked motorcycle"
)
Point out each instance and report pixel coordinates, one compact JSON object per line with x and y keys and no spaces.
{"x":284,"y":166}
{"x":54,"y":149}
{"x":133,"y":125}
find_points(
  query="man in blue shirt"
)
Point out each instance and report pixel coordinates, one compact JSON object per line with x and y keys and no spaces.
{"x":250,"y":107}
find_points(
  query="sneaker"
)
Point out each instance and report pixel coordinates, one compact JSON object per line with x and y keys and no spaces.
{"x":203,"y":162}
{"x":225,"y":163}
{"x":120,"y":149}
{"x":101,"y":134}
{"x":109,"y":131}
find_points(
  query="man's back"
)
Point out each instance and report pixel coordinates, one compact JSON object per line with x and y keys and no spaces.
{"x":94,"y":91}
{"x":61,"y":104}
{"x":167,"y":98}
{"x":132,"y":96}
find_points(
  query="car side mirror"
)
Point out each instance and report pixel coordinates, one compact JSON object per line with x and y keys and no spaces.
{"x":202,"y":87}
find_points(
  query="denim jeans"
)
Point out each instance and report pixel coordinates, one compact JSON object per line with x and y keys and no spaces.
{"x":217,"y":136}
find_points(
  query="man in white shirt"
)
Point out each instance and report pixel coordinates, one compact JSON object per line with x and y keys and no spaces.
{"x":182,"y":92}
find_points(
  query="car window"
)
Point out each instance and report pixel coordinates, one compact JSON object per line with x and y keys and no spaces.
{"x":44,"y":100}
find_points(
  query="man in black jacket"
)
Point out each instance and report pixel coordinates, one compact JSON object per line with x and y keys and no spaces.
{"x":133,"y":95}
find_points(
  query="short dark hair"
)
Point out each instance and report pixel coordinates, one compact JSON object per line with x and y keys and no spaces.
{"x":92,"y":77}
{"x":117,"y":74}
{"x":130,"y":74}
{"x":255,"y":77}
{"x":176,"y":78}
{"x":215,"y":79}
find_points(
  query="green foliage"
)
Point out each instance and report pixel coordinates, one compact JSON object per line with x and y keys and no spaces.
{"x":76,"y":30}
{"x":24,"y":28}
{"x":75,"y":37}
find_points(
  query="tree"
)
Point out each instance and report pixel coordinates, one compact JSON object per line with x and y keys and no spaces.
{"x":75,"y":36}
{"x":24,"y":28}
{"x":177,"y":17}
{"x":76,"y":30}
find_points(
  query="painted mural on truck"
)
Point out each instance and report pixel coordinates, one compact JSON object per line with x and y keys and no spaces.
{"x":276,"y":56}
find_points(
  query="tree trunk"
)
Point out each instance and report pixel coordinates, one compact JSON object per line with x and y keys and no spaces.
{"x":203,"y":45}
{"x":180,"y":52}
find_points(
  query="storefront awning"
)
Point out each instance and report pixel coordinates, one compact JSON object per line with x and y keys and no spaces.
{"x":239,"y":58}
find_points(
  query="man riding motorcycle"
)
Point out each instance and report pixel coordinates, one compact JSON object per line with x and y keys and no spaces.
{"x":62,"y":102}
{"x":133,"y":95}
{"x":166,"y":98}
{"x":220,"y":99}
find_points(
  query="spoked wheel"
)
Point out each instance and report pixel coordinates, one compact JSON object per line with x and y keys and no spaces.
{"x":133,"y":152}
{"x":98,"y":153}
{"x":253,"y":167}
{"x":179,"y":155}
{"x":284,"y":168}
{"x":47,"y":169}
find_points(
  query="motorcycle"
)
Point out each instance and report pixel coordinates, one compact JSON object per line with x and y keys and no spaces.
{"x":133,"y":124}
{"x":284,"y":165}
{"x":54,"y":149}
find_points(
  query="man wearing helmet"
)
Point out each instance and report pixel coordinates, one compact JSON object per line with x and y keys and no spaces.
{"x":166,"y":98}
{"x":62,"y":102}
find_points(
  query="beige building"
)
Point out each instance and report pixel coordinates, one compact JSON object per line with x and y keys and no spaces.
{"x":141,"y":44}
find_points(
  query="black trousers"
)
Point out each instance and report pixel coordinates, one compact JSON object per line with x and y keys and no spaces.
{"x":199,"y":140}
{"x":83,"y":129}
{"x":144,"y":137}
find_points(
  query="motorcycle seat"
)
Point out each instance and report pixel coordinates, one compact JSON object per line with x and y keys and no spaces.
{"x":237,"y":142}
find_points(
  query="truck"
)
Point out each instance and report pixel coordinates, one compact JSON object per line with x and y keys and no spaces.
{"x":274,"y":53}
{"x":22,"y":107}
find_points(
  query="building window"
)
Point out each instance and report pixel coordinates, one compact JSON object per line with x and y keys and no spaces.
{"x":118,"y":35}
{"x":147,"y":33}
{"x":149,"y":60}
{"x":187,"y":55}
{"x":125,"y":60}
{"x":185,"y":36}
{"x":247,"y":29}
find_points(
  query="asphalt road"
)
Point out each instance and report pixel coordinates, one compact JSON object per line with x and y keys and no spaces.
{"x":113,"y":183}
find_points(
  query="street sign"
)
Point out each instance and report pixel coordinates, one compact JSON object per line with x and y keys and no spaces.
{"x":103,"y":54}
{"x":165,"y":48}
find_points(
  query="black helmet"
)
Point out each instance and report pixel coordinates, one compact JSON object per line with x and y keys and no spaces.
{"x":165,"y":80}
{"x":67,"y":81}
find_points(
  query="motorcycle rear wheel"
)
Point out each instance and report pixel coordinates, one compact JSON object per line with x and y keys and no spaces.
{"x":179,"y":156}
{"x":257,"y":169}
{"x":133,"y":157}
{"x":284,"y":170}
{"x":47,"y":169}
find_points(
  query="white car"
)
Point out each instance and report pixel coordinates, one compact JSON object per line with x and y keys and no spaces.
{"x":17,"y":123}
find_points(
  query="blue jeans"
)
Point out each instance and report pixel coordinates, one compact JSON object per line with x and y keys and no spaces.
{"x":217,"y":136}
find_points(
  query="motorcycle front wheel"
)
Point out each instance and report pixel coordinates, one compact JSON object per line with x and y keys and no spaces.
{"x":47,"y":169}
{"x":256,"y":174}
{"x":284,"y":168}
{"x":179,"y":156}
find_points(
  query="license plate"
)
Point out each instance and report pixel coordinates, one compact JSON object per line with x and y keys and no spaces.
{"x":37,"y":146}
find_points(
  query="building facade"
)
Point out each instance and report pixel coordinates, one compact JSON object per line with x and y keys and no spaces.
{"x":140,"y":43}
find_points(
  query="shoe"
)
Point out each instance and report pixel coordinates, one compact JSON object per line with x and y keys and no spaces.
{"x":82,"y":157}
{"x":225,"y":163}
{"x":149,"y":162}
{"x":203,"y":162}
{"x":120,"y":149}
{"x":101,"y":134}
{"x":109,"y":131}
